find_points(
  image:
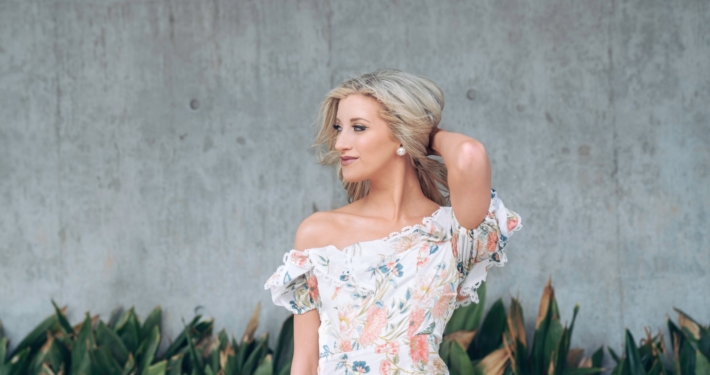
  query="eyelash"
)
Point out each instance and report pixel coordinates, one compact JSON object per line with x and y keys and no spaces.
{"x":360,"y":127}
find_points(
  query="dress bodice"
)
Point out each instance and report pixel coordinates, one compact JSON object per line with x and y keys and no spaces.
{"x":384,"y":304}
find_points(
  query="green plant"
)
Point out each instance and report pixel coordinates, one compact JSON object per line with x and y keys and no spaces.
{"x":689,"y":354}
{"x":499,"y":345}
{"x":125,"y":346}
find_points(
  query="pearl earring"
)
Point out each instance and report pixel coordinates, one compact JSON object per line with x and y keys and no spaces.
{"x":401,"y":151}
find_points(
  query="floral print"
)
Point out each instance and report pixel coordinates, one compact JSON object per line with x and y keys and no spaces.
{"x":383,"y":304}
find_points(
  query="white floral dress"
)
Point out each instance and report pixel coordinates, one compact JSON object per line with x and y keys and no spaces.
{"x":383,"y":304}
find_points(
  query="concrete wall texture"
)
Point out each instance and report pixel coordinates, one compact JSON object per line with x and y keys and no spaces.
{"x":157,"y":152}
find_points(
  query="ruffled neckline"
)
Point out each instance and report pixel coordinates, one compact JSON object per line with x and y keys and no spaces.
{"x":426,"y":222}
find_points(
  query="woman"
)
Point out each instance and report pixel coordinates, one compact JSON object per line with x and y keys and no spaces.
{"x":373,"y":283}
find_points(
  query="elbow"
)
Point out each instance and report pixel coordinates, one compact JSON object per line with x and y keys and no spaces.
{"x":471,"y":155}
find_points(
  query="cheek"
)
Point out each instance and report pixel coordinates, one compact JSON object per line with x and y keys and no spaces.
{"x":374,"y":149}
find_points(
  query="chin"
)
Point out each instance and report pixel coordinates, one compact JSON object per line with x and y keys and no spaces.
{"x":353,"y":177}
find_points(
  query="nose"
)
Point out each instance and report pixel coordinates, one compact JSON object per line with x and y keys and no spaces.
{"x":342,"y":142}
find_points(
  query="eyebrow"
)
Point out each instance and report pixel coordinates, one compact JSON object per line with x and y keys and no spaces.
{"x":354,"y":119}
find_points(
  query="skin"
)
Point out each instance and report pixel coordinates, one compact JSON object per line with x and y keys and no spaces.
{"x":395,"y":199}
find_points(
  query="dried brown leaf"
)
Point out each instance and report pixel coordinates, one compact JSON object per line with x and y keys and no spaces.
{"x":462,"y":337}
{"x":547,"y":295}
{"x":252,"y":325}
{"x":573,"y":357}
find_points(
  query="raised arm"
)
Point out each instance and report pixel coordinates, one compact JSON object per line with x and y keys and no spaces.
{"x":305,"y":326}
{"x":469,"y":176}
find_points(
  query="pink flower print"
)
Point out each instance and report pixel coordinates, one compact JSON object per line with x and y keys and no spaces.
{"x":376,"y":321}
{"x":335,"y":293}
{"x":421,"y":262}
{"x":492,"y":244}
{"x":416,"y":318}
{"x":442,"y":305}
{"x":455,"y":246}
{"x":299,"y":258}
{"x":419,"y":349}
{"x":512,"y":223}
{"x":390,"y":348}
{"x":404,"y":243}
{"x":385,"y":367}
{"x":313,"y":288}
{"x":346,"y":346}
{"x":346,"y":320}
{"x":423,"y":289}
{"x":438,"y":366}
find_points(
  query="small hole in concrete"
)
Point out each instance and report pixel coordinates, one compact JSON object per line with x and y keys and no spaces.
{"x":194,"y":104}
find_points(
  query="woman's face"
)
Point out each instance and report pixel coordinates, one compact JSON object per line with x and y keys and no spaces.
{"x":364,"y":138}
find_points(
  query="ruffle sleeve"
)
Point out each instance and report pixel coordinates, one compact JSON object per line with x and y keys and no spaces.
{"x":293,"y":285}
{"x":481,"y":248}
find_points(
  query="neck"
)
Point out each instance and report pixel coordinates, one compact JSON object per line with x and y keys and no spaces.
{"x":396,"y":194}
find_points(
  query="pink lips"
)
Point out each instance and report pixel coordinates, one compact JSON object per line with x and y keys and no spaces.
{"x":345,"y":160}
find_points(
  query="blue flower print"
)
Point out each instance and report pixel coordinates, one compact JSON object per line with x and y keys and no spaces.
{"x":361,"y":367}
{"x":394,"y":266}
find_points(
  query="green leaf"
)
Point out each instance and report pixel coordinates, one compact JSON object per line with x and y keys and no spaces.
{"x":489,"y":337}
{"x":129,"y":366}
{"x":83,"y":345}
{"x":257,"y":355}
{"x":158,"y":368}
{"x":598,"y":358}
{"x":583,"y":371}
{"x":283,"y":353}
{"x":538,"y":359}
{"x":175,"y":365}
{"x":468,"y":318}
{"x":223,"y":339}
{"x":563,"y":345}
{"x":702,"y":365}
{"x":266,"y":367}
{"x":109,"y":339}
{"x":153,"y":320}
{"x":286,"y":370}
{"x":35,"y":339}
{"x":114,"y":318}
{"x":614,"y":356}
{"x":459,"y":362}
{"x":695,"y":332}
{"x":149,"y":347}
{"x":197,"y":365}
{"x":63,"y":322}
{"x":445,"y":351}
{"x":38,"y":358}
{"x":128,"y":329}
{"x":181,"y":341}
{"x":103,"y":362}
{"x":18,"y":364}
{"x":633,"y":359}
{"x":687,"y":359}
{"x":242,"y":353}
{"x":231,"y":367}
{"x":552,"y":340}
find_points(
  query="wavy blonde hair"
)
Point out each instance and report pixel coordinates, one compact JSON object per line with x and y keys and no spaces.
{"x":411,"y":105}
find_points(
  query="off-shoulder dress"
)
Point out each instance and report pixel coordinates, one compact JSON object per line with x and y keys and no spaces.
{"x":383,"y":304}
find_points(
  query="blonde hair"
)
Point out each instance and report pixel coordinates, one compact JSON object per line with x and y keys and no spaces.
{"x":411,"y":105}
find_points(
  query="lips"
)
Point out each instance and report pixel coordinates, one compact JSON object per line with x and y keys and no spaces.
{"x":345,"y":160}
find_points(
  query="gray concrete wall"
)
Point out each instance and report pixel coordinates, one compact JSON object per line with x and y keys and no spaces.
{"x":157,"y":152}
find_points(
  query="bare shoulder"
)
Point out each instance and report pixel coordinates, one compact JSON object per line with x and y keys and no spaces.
{"x":315,"y":230}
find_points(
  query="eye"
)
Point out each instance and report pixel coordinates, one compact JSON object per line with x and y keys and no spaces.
{"x":337,"y":127}
{"x":359,"y":128}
